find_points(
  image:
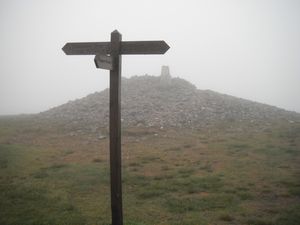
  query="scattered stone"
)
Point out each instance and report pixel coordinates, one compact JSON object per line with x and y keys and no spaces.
{"x":100,"y":137}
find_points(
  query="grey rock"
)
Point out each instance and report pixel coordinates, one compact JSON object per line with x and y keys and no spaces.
{"x":164,"y":101}
{"x":100,"y":137}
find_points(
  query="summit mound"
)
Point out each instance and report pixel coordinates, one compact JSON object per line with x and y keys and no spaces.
{"x":163,"y":101}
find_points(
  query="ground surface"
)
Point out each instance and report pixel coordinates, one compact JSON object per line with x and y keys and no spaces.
{"x":186,"y":177}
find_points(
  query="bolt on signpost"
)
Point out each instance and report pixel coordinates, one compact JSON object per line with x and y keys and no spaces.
{"x":108,"y":55}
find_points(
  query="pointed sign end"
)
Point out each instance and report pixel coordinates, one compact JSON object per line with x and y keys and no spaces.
{"x":166,"y":47}
{"x":65,"y":48}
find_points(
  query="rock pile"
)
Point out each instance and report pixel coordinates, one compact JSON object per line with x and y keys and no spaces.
{"x":164,"y":101}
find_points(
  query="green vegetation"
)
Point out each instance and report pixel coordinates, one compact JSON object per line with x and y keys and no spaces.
{"x":183,"y":178}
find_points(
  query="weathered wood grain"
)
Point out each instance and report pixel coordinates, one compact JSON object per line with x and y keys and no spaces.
{"x":144,"y":47}
{"x":126,"y":48}
{"x":115,"y":130}
{"x":87,"y":48}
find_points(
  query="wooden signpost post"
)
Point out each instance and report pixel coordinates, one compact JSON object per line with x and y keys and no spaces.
{"x":108,"y":56}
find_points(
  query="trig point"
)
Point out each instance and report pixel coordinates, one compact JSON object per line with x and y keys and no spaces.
{"x":108,"y":55}
{"x":165,"y":71}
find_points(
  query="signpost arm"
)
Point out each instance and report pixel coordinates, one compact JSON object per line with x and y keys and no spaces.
{"x":115,"y":130}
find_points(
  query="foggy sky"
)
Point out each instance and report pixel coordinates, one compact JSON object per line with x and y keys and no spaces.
{"x":249,"y":49}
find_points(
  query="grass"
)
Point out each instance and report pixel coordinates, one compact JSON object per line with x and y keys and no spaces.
{"x":293,"y":186}
{"x":27,"y":200}
{"x":210,"y":202}
{"x":183,"y":177}
{"x":27,"y":204}
{"x":290,"y":216}
{"x":226,"y":217}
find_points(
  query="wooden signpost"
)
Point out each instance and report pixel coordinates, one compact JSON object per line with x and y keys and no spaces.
{"x":108,"y":56}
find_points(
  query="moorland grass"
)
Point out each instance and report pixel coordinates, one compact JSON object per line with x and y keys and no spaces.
{"x":225,"y":178}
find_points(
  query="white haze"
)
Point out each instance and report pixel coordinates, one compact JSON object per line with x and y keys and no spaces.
{"x":249,"y":49}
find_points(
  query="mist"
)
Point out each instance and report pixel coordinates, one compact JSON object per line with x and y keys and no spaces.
{"x":248,"y":49}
